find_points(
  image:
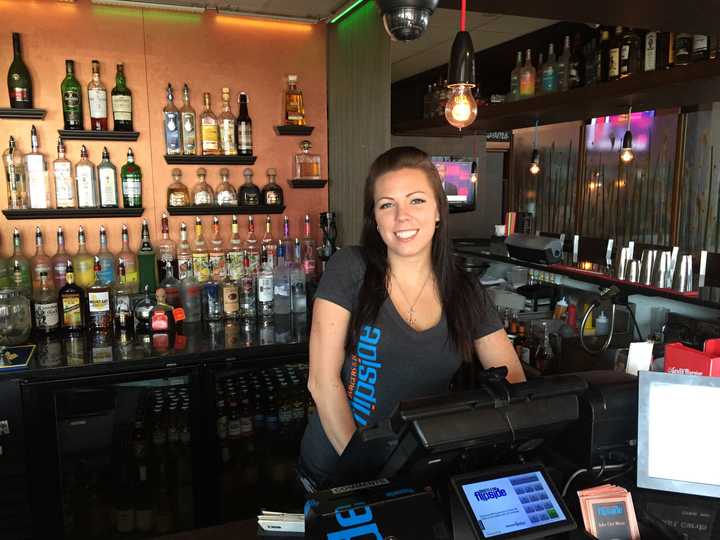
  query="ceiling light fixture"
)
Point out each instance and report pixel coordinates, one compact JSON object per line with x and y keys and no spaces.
{"x":626,"y":154}
{"x":345,"y":10}
{"x":268,"y":16}
{"x":535,"y":158}
{"x":461,"y":107}
{"x":149,"y":5}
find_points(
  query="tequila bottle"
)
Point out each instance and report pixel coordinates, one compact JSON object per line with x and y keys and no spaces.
{"x":184,"y":254}
{"x":107,"y":178}
{"x":230,"y":298}
{"x":99,"y":311}
{"x":217,"y":251}
{"x":83,"y":262}
{"x":272,"y":193}
{"x":131,"y":176}
{"x":64,"y":181}
{"x":147,"y":269}
{"x":249,"y":192}
{"x":36,"y":169}
{"x":166,"y":249}
{"x":162,"y":320}
{"x":202,"y":193}
{"x":294,"y":106}
{"x":45,"y":306}
{"x":87,"y":187}
{"x":15,"y":176}
{"x":171,"y":125}
{"x":121,"y":98}
{"x":225,"y":194}
{"x":58,"y":263}
{"x":244,"y":127}
{"x":228,"y":142}
{"x":97,"y":100}
{"x":309,"y":251}
{"x":188,"y":120}
{"x":177,"y":193}
{"x":209,"y":132}
{"x":268,"y":243}
{"x":200,"y":256}
{"x":72,"y":302}
{"x":234,"y":266}
{"x":106,"y":259}
{"x":251,"y":246}
{"x":130,"y":260}
{"x":40,"y":263}
{"x":71,"y":93}
{"x":307,"y":165}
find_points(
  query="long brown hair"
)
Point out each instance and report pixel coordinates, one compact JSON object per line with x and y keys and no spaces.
{"x":464,"y":301}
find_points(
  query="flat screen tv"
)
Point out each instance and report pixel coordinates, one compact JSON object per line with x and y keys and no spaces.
{"x":459,"y":177}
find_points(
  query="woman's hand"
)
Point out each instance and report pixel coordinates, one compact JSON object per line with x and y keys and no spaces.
{"x":495,"y":350}
{"x":327,"y":354}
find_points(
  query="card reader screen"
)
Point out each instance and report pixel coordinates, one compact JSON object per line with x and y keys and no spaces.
{"x":512,"y":503}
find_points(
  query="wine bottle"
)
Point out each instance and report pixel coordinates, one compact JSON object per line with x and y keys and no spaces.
{"x":19,"y":81}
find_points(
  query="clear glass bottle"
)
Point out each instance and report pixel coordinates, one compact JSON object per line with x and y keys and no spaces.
{"x":46,"y":316}
{"x":166,"y":248}
{"x":309,"y":251}
{"x":107,"y":178}
{"x":191,"y":296}
{"x":200,"y":255}
{"x":189,"y":123}
{"x":234,"y":265}
{"x":147,"y":266}
{"x":97,"y":100}
{"x":251,"y":246}
{"x":527,"y":77}
{"x":247,"y":290}
{"x":244,"y":127}
{"x":58,"y":263}
{"x":202,"y":193}
{"x":143,"y":309}
{"x":71,"y":93}
{"x":549,"y":72}
{"x":177,"y":193}
{"x":272,"y":193}
{"x":515,"y":78}
{"x":225,"y":193}
{"x":98,"y":294}
{"x":36,"y":170}
{"x":298,"y":298}
{"x":294,"y":106}
{"x":563,"y":67}
{"x":122,"y":300}
{"x":217,"y":251}
{"x":212,"y":298}
{"x":228,"y":126}
{"x":287,"y":241}
{"x":230,"y":298}
{"x":121,"y":98}
{"x":265,"y":288}
{"x":72,"y":303}
{"x":171,"y":125}
{"x":106,"y":259}
{"x":184,"y":253}
{"x":18,"y":281}
{"x":171,"y":285}
{"x":249,"y":192}
{"x":15,"y":176}
{"x":40,"y":263}
{"x":64,"y":181}
{"x":131,"y":176}
{"x":307,"y":165}
{"x":83,"y":262}
{"x":281,"y":283}
{"x":209,"y":129}
{"x":130,"y":259}
{"x":268,"y":243}
{"x":86,"y":179}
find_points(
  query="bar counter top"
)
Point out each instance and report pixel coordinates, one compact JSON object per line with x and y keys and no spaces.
{"x":60,"y":356}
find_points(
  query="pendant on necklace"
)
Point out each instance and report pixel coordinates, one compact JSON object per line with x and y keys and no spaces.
{"x":411,"y":318}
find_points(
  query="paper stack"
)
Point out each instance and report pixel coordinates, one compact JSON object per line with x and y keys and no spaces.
{"x":608,"y":513}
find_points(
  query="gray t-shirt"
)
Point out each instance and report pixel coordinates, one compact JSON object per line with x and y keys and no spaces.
{"x":391,"y":362}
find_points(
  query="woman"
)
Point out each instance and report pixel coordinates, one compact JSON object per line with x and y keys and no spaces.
{"x":393,"y":319}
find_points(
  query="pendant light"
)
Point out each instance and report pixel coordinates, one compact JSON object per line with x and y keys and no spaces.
{"x":626,"y":154}
{"x":461,"y":107}
{"x":535,"y":158}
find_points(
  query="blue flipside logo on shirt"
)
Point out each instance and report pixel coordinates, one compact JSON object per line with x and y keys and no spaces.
{"x":364,"y":375}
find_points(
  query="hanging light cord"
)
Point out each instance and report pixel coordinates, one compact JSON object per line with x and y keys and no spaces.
{"x":629,"y":117}
{"x":535,"y":133}
{"x":463,"y":8}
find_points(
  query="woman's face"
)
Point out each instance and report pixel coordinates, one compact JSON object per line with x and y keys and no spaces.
{"x":406,"y":211}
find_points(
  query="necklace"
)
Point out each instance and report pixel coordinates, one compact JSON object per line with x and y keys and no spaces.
{"x":411,"y":312}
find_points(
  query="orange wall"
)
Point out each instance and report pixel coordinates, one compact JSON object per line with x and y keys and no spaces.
{"x":208,"y":52}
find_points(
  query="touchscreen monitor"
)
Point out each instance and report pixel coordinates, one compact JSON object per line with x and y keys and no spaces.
{"x":518,"y":502}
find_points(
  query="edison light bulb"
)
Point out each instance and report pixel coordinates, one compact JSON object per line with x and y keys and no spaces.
{"x":461,"y":107}
{"x":627,"y":155}
{"x":535,"y":162}
{"x":534,"y":168}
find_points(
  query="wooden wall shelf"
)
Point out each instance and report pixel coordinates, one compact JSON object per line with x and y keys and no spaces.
{"x":21,"y":114}
{"x":84,"y":135}
{"x":224,"y":210}
{"x":59,"y":213}
{"x":210,"y":160}
{"x":680,"y":86}
{"x":298,"y":183}
{"x":294,"y":130}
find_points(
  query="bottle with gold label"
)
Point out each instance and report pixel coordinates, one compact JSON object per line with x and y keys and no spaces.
{"x":83,"y":262}
{"x":272,"y":193}
{"x":187,"y":119}
{"x":202,"y":193}
{"x":228,"y":122}
{"x":15,"y":176}
{"x":72,"y":302}
{"x":294,"y":106}
{"x":209,"y":132}
{"x":200,"y":256}
{"x":177,"y":193}
{"x":225,"y":193}
{"x":307,"y":165}
{"x":99,"y":311}
{"x":217,"y":251}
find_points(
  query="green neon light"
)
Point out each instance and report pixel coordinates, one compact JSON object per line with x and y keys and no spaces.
{"x":346,"y":11}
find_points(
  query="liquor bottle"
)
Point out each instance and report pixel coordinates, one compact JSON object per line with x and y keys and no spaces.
{"x":177,"y":193}
{"x":244,"y":127}
{"x":212,"y":298}
{"x":147,"y":267}
{"x":98,"y":294}
{"x":72,"y":302}
{"x":122,"y":300}
{"x":97,"y":100}
{"x":281,"y":283}
{"x":602,"y":56}
{"x":131,"y":176}
{"x":162,"y":320}
{"x":200,"y":256}
{"x":18,"y":79}
{"x":287,"y":241}
{"x":40,"y":263}
{"x":265,"y":288}
{"x":527,"y":77}
{"x":630,"y":54}
{"x":188,"y":121}
{"x":577,"y":63}
{"x":272,"y":193}
{"x":231,"y":298}
{"x":64,"y":181}
{"x":171,"y":125}
{"x":209,"y":132}
{"x":515,"y":78}
{"x":614,"y":54}
{"x":202,"y":193}
{"x":251,"y":246}
{"x":249,"y":192}
{"x":217,"y":251}
{"x":46,"y":317}
{"x":107,"y":178}
{"x":683,"y":48}
{"x":234,"y":265}
{"x":549,"y":72}
{"x":307,"y":165}
{"x":58,"y":263}
{"x":563,"y":67}
{"x":309,"y":251}
{"x":83,"y":262}
{"x":590,"y":68}
{"x":143,"y":309}
{"x":106,"y":259}
{"x":699,"y":47}
{"x":87,"y":187}
{"x":294,"y":106}
{"x":130,"y":259}
{"x":166,"y":248}
{"x":171,"y":285}
{"x":522,"y":345}
{"x":15,"y":176}
{"x":227,"y":127}
{"x":36,"y":170}
{"x":71,"y":98}
{"x":298,"y":297}
{"x":246,"y":289}
{"x":225,"y":194}
{"x":268,"y":243}
{"x":18,"y":283}
{"x":539,"y":83}
{"x":184,"y":254}
{"x":191,"y":296}
{"x":121,"y":98}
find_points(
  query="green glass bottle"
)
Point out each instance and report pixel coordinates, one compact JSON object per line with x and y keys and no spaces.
{"x":19,"y":81}
{"x":17,"y":259}
{"x":131,"y":177}
{"x":147,"y":266}
{"x":71,"y":98}
{"x":121,"y":99}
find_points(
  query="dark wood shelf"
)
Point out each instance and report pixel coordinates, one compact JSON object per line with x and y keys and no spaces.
{"x":298,"y":183}
{"x":224,"y":210}
{"x":78,"y":135}
{"x":59,"y":213}
{"x":210,"y":160}
{"x":294,"y":130}
{"x":681,"y":86}
{"x":21,"y":114}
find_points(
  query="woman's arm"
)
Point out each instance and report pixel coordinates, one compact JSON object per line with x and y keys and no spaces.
{"x":495,"y":350}
{"x":327,"y":354}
